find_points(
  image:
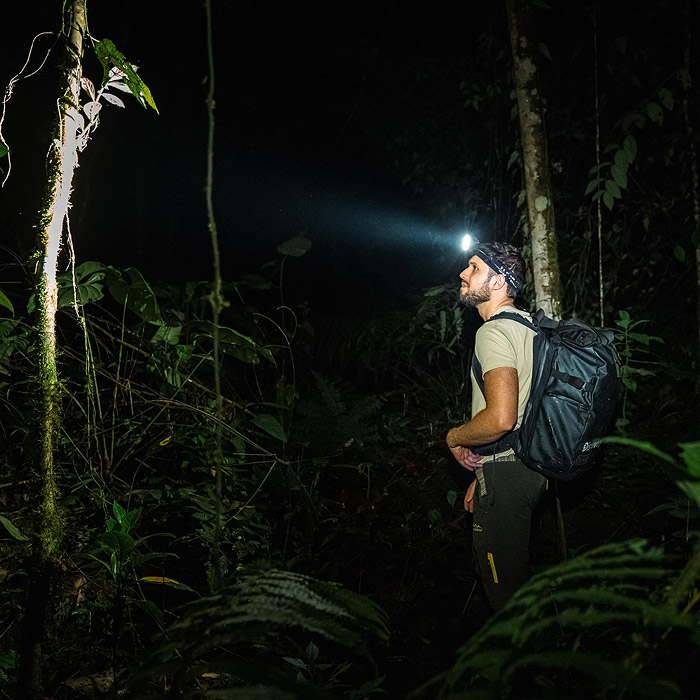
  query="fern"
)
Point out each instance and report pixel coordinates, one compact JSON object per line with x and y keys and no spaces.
{"x":337,"y":416}
{"x":559,"y":619}
{"x":257,"y":610}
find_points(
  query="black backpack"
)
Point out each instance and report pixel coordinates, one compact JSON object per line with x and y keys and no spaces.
{"x":575,"y":384}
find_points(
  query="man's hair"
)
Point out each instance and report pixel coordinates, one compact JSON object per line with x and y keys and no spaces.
{"x":510,"y":258}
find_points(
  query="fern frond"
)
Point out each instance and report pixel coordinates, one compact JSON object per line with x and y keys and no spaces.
{"x":258,"y":608}
{"x":556,"y":616}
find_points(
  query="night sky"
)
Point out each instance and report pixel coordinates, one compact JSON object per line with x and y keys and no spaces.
{"x":308,"y":97}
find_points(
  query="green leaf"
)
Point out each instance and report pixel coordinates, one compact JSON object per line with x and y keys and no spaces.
{"x":622,"y":159}
{"x":4,"y":150}
{"x":108,"y":57}
{"x":270,"y":425}
{"x":120,"y":543}
{"x":513,"y":159}
{"x":12,"y":529}
{"x":666,"y":98}
{"x":614,"y":189}
{"x":690,"y":489}
{"x":593,"y":185}
{"x":119,"y":512}
{"x":690,"y":454}
{"x":629,"y":382}
{"x":619,"y":174}
{"x":642,"y":445}
{"x":608,"y":199}
{"x":4,"y":301}
{"x":135,"y":293}
{"x":655,"y":112}
{"x":170,"y":335}
{"x":679,"y":252}
{"x":630,"y":147}
{"x":295,"y":247}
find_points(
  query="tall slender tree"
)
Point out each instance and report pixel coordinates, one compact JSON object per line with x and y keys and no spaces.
{"x":47,"y":531}
{"x":533,"y":139}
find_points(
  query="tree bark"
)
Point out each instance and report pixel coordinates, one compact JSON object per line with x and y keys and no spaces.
{"x":48,"y":528}
{"x":545,"y":259}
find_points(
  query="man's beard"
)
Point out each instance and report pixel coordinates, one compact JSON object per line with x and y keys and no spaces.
{"x":475,"y":297}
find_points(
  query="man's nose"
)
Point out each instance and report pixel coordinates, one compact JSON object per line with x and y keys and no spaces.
{"x":463,"y":275}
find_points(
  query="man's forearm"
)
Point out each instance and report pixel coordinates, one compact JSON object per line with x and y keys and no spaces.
{"x":480,"y":430}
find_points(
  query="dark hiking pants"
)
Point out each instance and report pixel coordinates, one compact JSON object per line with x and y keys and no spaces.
{"x":502,"y":520}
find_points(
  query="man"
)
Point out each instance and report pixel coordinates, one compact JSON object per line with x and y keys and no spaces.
{"x":505,"y":492}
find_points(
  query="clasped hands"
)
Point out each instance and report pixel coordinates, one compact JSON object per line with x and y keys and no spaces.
{"x":469,"y":460}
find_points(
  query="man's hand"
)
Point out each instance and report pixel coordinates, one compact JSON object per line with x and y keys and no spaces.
{"x":468,"y":459}
{"x":469,"y":497}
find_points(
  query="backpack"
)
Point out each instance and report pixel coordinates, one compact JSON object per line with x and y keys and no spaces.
{"x":575,"y":383}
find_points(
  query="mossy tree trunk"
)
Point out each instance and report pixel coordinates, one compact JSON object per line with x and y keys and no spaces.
{"x":48,"y":530}
{"x":533,"y":138}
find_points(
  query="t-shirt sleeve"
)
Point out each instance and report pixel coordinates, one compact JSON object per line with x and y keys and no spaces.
{"x":494,"y":348}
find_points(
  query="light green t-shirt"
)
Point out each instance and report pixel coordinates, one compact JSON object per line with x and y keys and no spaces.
{"x":504,"y":343}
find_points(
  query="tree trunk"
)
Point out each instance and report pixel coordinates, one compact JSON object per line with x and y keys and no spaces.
{"x":545,"y":260}
{"x":47,"y":530}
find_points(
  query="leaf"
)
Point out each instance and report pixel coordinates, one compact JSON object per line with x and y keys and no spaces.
{"x":614,"y":189}
{"x":4,"y":150}
{"x":608,"y":199}
{"x":295,"y":247}
{"x":87,"y":85}
{"x":270,"y":425}
{"x":630,"y":147}
{"x":655,"y":112}
{"x":120,"y":543}
{"x":12,"y":529}
{"x":629,"y":382}
{"x":135,"y":293}
{"x":170,"y":335}
{"x":109,"y":56}
{"x":621,"y":44}
{"x":690,"y":489}
{"x":666,"y":98}
{"x":113,"y":99}
{"x":690,"y":454}
{"x":679,"y":252}
{"x":164,"y":581}
{"x":92,"y":109}
{"x":641,"y":337}
{"x":593,"y":185}
{"x":642,"y":445}
{"x":119,"y":512}
{"x":311,"y":651}
{"x":4,"y":301}
{"x":513,"y":158}
{"x":619,"y":174}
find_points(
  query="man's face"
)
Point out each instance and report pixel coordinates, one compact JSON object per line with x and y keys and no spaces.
{"x":475,"y":278}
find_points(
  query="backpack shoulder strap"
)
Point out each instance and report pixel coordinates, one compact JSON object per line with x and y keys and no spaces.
{"x":532,"y":325}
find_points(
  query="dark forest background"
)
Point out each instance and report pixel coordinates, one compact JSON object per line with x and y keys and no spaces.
{"x":354,"y":146}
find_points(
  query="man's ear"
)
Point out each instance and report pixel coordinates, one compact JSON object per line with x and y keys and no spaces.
{"x":498,"y":281}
